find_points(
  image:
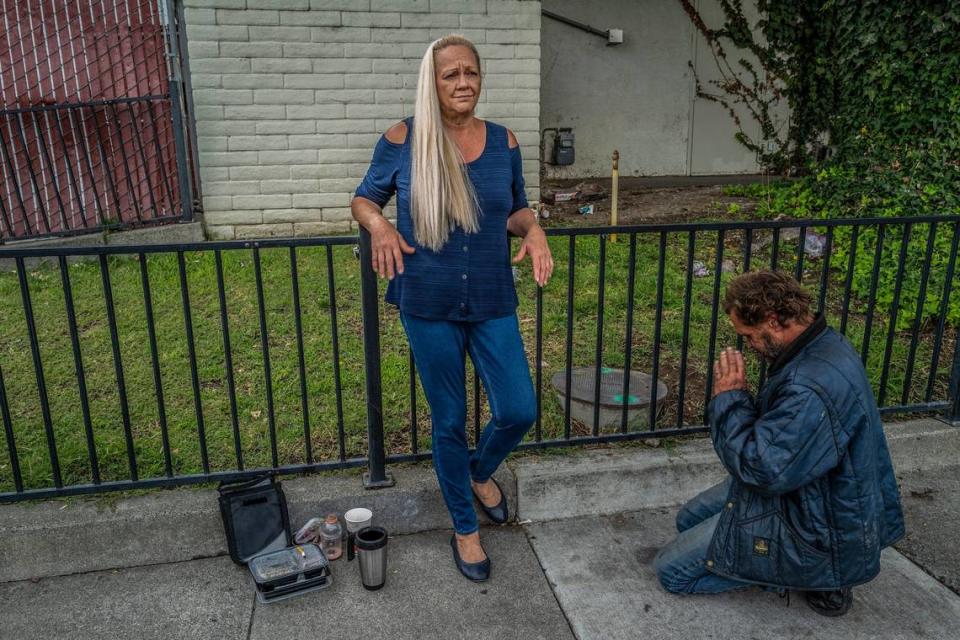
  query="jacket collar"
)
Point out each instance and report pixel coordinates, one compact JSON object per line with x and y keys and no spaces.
{"x":817,"y":327}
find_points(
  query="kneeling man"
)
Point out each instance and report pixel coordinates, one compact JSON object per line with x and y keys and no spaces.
{"x":811,"y":497}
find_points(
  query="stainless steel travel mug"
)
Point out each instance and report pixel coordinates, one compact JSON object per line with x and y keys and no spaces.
{"x":371,"y":545}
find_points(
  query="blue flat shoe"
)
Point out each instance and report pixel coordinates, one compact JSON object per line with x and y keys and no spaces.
{"x":498,"y":513}
{"x":476,"y":571}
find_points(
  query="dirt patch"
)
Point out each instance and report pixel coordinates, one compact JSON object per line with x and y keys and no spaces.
{"x":641,"y":205}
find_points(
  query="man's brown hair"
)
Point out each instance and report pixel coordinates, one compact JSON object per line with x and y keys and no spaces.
{"x":756,"y":294}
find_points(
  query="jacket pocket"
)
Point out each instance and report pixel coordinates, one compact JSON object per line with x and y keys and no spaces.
{"x":800,"y":541}
{"x":770,"y":551}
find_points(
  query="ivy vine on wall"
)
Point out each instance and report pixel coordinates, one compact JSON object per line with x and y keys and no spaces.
{"x":873,"y":91}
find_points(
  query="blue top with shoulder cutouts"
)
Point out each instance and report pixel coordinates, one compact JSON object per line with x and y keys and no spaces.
{"x":469,"y":278}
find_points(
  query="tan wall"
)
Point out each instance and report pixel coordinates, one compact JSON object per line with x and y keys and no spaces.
{"x":292,"y":95}
{"x":637,"y":97}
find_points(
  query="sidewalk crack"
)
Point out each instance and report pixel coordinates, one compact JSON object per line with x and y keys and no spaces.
{"x":526,"y":535}
{"x":253,"y":612}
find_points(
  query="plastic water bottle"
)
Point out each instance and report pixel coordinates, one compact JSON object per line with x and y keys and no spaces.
{"x":331,"y":537}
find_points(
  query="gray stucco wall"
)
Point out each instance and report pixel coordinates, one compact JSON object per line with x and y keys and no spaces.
{"x":292,"y":95}
{"x":637,"y":97}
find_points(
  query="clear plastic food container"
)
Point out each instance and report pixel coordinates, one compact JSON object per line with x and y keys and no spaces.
{"x":282,"y":574}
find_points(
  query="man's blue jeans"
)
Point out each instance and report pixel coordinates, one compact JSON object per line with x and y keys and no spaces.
{"x":681,"y":565}
{"x":496,"y":349}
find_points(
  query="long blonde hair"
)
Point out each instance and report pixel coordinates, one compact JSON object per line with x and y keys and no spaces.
{"x":442,"y":195}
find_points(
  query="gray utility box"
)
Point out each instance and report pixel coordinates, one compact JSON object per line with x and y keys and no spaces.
{"x":563,"y":151}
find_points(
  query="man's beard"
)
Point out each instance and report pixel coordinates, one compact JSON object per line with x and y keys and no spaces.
{"x":771,"y":348}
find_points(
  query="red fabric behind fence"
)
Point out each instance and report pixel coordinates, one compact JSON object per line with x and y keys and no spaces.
{"x":84,"y":163}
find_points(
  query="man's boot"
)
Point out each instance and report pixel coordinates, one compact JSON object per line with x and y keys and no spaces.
{"x":830,"y":603}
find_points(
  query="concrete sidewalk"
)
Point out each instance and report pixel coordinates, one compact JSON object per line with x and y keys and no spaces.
{"x":608,"y":590}
{"x":212,"y":598}
{"x":581,"y":568}
{"x":587,"y":577}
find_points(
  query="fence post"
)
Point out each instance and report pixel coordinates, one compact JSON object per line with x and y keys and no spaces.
{"x":176,"y":31}
{"x":376,"y":477}
{"x":191,"y":112}
{"x":954,"y":416}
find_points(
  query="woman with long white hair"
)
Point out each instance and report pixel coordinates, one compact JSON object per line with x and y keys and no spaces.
{"x":459,"y":187}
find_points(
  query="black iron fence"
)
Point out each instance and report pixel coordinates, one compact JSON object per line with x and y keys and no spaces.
{"x":162,"y":365}
{"x":93,"y":120}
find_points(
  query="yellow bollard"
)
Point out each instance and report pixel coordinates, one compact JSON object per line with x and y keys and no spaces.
{"x":614,"y":187}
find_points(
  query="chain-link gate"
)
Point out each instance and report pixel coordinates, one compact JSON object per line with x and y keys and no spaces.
{"x":94,"y":126}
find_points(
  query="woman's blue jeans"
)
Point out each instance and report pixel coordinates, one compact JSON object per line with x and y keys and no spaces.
{"x":496,"y":349}
{"x":682,"y":565}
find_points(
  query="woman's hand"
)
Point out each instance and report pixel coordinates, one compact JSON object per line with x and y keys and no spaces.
{"x":387,"y":248}
{"x":535,"y":245}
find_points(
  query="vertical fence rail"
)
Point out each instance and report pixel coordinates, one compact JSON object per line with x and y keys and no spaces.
{"x":265,"y":353}
{"x":78,"y":367}
{"x":918,"y":313}
{"x":376,"y":475}
{"x":657,"y":327}
{"x":872,"y":296}
{"x":174,"y":29}
{"x":192,"y":356}
{"x":714,"y":312}
{"x":301,"y":364}
{"x":825,"y":271}
{"x":628,"y":334}
{"x":892,"y":317}
{"x":601,"y":291}
{"x":955,"y":373}
{"x":954,"y":414}
{"x":118,"y":366}
{"x":228,"y":359}
{"x":538,"y":427}
{"x":11,"y":441}
{"x":335,"y":344}
{"x":155,"y":364}
{"x":568,"y":375}
{"x":685,"y":339}
{"x":38,"y":371}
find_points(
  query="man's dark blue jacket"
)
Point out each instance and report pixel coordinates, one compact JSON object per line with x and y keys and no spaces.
{"x":814,"y":498}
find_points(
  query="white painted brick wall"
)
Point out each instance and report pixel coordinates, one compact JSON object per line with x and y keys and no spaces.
{"x":292,"y":95}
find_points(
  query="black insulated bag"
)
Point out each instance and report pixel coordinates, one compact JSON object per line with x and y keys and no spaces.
{"x":255,"y":517}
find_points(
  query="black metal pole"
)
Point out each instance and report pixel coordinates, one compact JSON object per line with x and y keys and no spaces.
{"x":944,"y":307}
{"x":190,"y":117}
{"x":538,"y":428}
{"x":955,"y":384}
{"x":118,"y":366}
{"x":228,"y":359}
{"x":335,"y":343}
{"x":298,"y":324}
{"x":714,"y":308}
{"x":11,"y":440}
{"x":175,"y":76}
{"x":155,"y":363}
{"x":192,"y":356}
{"x":265,"y":351}
{"x":38,"y":370}
{"x":657,"y":325}
{"x":376,"y":476}
{"x":78,"y":364}
{"x":568,"y":375}
{"x":598,"y":358}
{"x":628,"y":334}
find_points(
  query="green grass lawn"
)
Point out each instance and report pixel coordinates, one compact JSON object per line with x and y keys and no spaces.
{"x":180,"y":417}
